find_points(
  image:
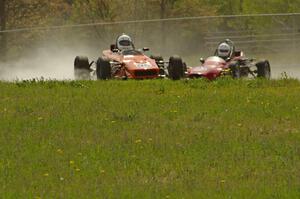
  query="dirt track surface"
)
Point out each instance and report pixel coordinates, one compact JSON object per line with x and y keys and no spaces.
{"x":56,"y":70}
{"x":54,"y":63}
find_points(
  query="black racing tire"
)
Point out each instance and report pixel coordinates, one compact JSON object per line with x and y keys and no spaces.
{"x":184,"y":67}
{"x":235,"y":69}
{"x":81,"y":68}
{"x":81,"y":62}
{"x":263,"y":69}
{"x":176,"y":68}
{"x":103,"y":69}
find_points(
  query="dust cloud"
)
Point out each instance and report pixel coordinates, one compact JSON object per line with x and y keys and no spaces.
{"x":47,"y":62}
{"x":284,"y":64}
{"x":40,"y":64}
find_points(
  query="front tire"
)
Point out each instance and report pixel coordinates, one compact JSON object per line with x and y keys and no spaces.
{"x":176,"y":68}
{"x":103,"y":69}
{"x":81,"y":68}
{"x":263,"y":69}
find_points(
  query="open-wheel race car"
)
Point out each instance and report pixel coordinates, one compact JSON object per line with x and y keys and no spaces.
{"x":228,"y":61}
{"x":123,"y":61}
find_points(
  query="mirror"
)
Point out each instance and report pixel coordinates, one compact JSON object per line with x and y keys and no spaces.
{"x":202,"y":60}
{"x":146,"y":49}
{"x":112,"y":47}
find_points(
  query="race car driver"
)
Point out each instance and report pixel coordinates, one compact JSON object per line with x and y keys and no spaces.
{"x":124,"y":42}
{"x":225,"y":50}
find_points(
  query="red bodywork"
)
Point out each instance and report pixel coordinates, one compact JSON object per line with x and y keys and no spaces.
{"x":213,"y":67}
{"x":134,"y":65}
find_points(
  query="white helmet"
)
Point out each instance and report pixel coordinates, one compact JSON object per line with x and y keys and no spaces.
{"x":224,"y":50}
{"x":124,"y":42}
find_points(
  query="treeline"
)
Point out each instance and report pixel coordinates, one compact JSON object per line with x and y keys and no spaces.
{"x":30,"y":13}
{"x":20,"y":13}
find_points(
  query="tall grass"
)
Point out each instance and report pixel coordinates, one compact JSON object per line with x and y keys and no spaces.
{"x":150,"y":139}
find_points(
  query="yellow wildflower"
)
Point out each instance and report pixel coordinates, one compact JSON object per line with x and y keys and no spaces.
{"x":59,"y":151}
{"x":138,"y":141}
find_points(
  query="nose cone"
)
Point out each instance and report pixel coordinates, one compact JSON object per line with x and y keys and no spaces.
{"x":141,"y":67}
{"x":139,"y":62}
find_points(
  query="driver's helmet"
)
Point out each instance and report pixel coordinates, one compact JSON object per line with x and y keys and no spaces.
{"x":124,"y":42}
{"x":225,"y":49}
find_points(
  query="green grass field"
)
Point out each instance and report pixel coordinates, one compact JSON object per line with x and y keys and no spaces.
{"x":150,"y":139}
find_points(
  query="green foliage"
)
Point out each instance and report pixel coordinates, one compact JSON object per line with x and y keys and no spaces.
{"x":90,"y":10}
{"x":21,"y":13}
{"x":37,"y":12}
{"x":150,"y":139}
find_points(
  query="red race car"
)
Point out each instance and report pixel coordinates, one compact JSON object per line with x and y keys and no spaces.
{"x":123,"y":61}
{"x":228,"y":61}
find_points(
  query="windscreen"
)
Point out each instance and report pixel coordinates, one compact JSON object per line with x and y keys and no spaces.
{"x":131,"y":52}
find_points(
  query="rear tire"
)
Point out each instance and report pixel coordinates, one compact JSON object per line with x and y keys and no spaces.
{"x":235,"y":70}
{"x":176,"y":68}
{"x":263,"y":69}
{"x":81,"y":68}
{"x":103,"y":69}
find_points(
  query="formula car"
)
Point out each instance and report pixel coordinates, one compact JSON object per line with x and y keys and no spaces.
{"x":123,"y":61}
{"x":228,"y":61}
